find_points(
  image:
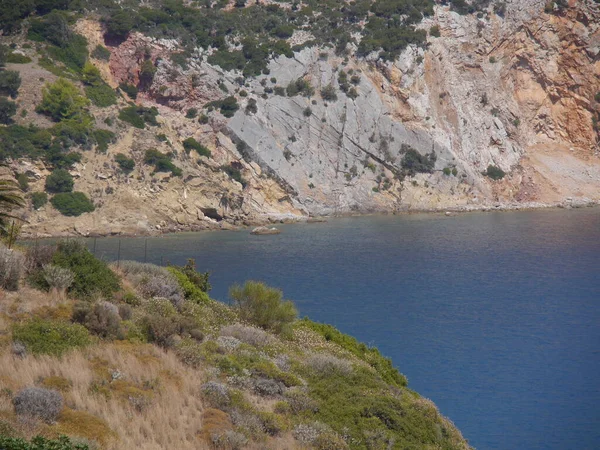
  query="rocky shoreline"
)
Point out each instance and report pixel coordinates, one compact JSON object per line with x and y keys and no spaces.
{"x":569,"y":203}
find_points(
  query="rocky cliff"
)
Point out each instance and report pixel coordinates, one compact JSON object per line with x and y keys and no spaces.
{"x":516,"y":91}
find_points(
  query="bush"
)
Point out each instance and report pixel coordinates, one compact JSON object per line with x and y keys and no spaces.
{"x":91,"y":274}
{"x":161,"y":162}
{"x":190,"y":144}
{"x":324,"y":364}
{"x":163,"y":286}
{"x":23,"y":181}
{"x":51,"y":337}
{"x":7,"y":110}
{"x":120,"y":24}
{"x":328,"y":93}
{"x":59,"y":278}
{"x":494,"y":172}
{"x":10,"y":81}
{"x":191,"y":113}
{"x":17,"y":58}
{"x":126,"y":164}
{"x":300,"y":87}
{"x":11,"y":266}
{"x":234,"y":171}
{"x":101,"y":95}
{"x":138,"y":116}
{"x":129,"y":89}
{"x":44,"y":404}
{"x":101,"y":319}
{"x":38,"y":199}
{"x":249,"y":335}
{"x":413,"y":162}
{"x":191,"y":290}
{"x":60,"y":180}
{"x":40,"y":443}
{"x":251,"y":107}
{"x":101,"y":53}
{"x":263,"y":306}
{"x":103,"y":138}
{"x":434,"y":31}
{"x":62,"y":100}
{"x":307,"y":111}
{"x":72,"y":203}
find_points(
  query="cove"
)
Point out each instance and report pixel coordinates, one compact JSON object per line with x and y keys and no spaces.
{"x":493,"y":316}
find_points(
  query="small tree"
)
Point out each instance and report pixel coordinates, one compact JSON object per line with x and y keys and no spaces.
{"x":7,"y":110}
{"x":263,"y":306}
{"x":328,"y":93}
{"x":58,"y":278}
{"x":10,"y":81}
{"x":59,"y":180}
{"x":62,"y":100}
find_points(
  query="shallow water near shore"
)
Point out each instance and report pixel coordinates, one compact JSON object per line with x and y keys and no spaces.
{"x":493,"y":316}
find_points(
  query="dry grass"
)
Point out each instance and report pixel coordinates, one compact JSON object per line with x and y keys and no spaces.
{"x":173,"y":420}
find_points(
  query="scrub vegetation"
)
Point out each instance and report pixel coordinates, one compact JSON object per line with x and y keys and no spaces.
{"x":134,"y":355}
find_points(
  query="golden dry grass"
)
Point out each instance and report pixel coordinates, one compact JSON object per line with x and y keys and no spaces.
{"x":172,"y":418}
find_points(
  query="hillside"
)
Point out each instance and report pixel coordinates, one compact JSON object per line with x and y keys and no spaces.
{"x":138,"y":356}
{"x":219,"y":114}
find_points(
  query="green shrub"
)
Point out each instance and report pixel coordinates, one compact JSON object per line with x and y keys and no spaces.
{"x":23,"y":181}
{"x":62,"y":100}
{"x":300,"y":87}
{"x":101,"y":53}
{"x":101,"y":95}
{"x":371,"y":355}
{"x":38,"y":199}
{"x":60,"y":180}
{"x":129,"y":89}
{"x":91,"y":274}
{"x":190,"y":144}
{"x":494,"y":172}
{"x":147,"y":72}
{"x":191,"y":113}
{"x":51,"y":337}
{"x":103,"y":138}
{"x":434,"y":31}
{"x":126,"y":164}
{"x":228,"y":106}
{"x":7,"y":110}
{"x":597,"y":97}
{"x":40,"y":443}
{"x":234,"y":171}
{"x":101,"y":319}
{"x":263,"y":306}
{"x":161,"y":162}
{"x":17,"y":58}
{"x":413,"y":162}
{"x":10,"y":81}
{"x":119,"y":24}
{"x":328,"y":93}
{"x":138,"y":116}
{"x":191,"y":291}
{"x":72,"y":203}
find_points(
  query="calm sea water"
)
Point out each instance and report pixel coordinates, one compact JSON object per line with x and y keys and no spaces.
{"x":493,"y":316}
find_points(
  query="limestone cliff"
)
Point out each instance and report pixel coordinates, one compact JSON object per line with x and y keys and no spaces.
{"x":516,"y":91}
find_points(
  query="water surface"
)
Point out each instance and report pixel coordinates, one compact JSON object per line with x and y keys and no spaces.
{"x":494,"y":316}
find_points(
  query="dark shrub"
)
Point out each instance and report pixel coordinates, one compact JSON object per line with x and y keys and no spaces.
{"x":161,"y":162}
{"x":91,"y":274}
{"x":101,"y":319}
{"x":10,"y":81}
{"x":190,"y":144}
{"x":7,"y":110}
{"x":101,"y":53}
{"x":72,"y":203}
{"x":129,"y":89}
{"x":103,"y":138}
{"x":263,"y":306}
{"x":101,"y":95}
{"x":138,"y":116}
{"x":38,"y":199}
{"x":126,"y":164}
{"x":413,"y":162}
{"x":60,"y":180}
{"x":49,"y":337}
{"x":328,"y":93}
{"x":494,"y":172}
{"x":40,"y":443}
{"x":44,"y":404}
{"x":234,"y":171}
{"x":120,"y":24}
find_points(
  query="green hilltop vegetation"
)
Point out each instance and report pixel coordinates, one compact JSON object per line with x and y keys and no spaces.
{"x":84,"y":344}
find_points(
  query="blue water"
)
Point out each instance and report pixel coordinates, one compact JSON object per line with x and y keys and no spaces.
{"x":493,"y":316}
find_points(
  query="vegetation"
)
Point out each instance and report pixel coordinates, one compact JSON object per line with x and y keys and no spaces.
{"x":62,"y":100}
{"x":227,"y":106}
{"x":161,"y":162}
{"x":7,"y":110}
{"x":50,"y":337}
{"x":234,"y":171}
{"x":60,"y":180}
{"x":413,"y":162}
{"x":40,"y":443}
{"x":190,"y":144}
{"x":139,"y":116}
{"x":10,"y":81}
{"x":72,"y":203}
{"x":126,"y":164}
{"x":494,"y":172}
{"x":10,"y":198}
{"x":39,"y":199}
